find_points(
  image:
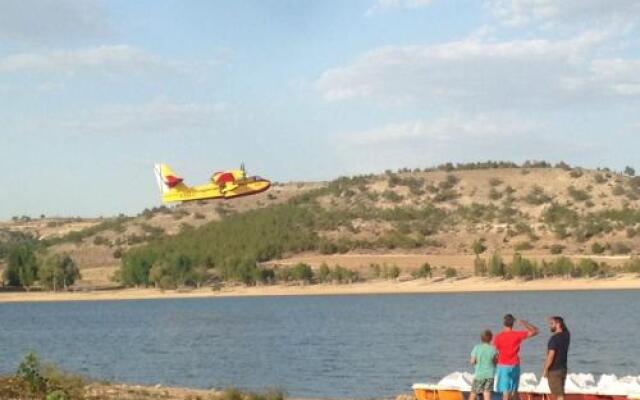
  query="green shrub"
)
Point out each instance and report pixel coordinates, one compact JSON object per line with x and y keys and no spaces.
{"x":341,"y":274}
{"x":586,"y":267}
{"x":101,"y":241}
{"x":375,"y":270}
{"x":618,"y":248}
{"x":634,"y":184}
{"x":151,"y":230}
{"x":185,"y":227}
{"x":480,"y":266}
{"x":597,"y":248}
{"x":57,"y":395}
{"x":496,"y":266}
{"x":633,"y":265}
{"x":390,"y":272}
{"x":576,"y":173}
{"x":618,"y":190}
{"x":478,"y":247}
{"x":327,"y":247}
{"x":556,"y":249}
{"x":632,"y":196}
{"x":432,"y":243}
{"x":561,"y":266}
{"x":537,"y":196}
{"x":178,"y":214}
{"x":629,"y":171}
{"x":522,"y":267}
{"x":560,"y":219}
{"x":522,"y":228}
{"x":450,"y":272}
{"x":117,"y":253}
{"x":449,"y":182}
{"x":237,"y":394}
{"x":523,"y":246}
{"x":591,"y":226}
{"x":324,"y":273}
{"x":31,"y":371}
{"x":302,"y":272}
{"x":393,"y":180}
{"x":391,"y":196}
{"x":495,"y":182}
{"x":494,"y":194}
{"x":423,"y":272}
{"x":115,"y":224}
{"x":415,"y":185}
{"x":578,"y":194}
{"x":445,"y":195}
{"x":477,"y":213}
{"x":599,"y":179}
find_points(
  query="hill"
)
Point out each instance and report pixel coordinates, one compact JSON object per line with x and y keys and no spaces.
{"x":443,"y":215}
{"x":97,"y":244}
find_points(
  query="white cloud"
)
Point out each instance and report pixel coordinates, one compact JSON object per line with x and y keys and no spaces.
{"x":444,"y":129}
{"x":47,"y":21}
{"x":620,"y":76}
{"x":157,"y":116}
{"x":484,"y":74}
{"x":111,"y":59}
{"x":523,"y":12}
{"x":385,"y":5}
{"x":424,"y":142}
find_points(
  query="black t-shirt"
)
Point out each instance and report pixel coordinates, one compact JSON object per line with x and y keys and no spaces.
{"x":560,"y":343}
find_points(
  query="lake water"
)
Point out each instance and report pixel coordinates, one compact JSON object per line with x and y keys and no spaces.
{"x":315,"y":346}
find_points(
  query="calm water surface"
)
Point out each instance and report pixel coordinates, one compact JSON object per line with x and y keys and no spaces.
{"x":324,"y":346}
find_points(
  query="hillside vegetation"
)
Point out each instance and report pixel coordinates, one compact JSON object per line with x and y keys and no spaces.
{"x":97,"y":244}
{"x":469,"y":209}
{"x":479,"y":208}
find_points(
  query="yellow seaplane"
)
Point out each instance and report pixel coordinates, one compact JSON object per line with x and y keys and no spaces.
{"x":222,"y":185}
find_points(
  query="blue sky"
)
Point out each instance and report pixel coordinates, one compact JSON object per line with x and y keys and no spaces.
{"x":92,"y":93}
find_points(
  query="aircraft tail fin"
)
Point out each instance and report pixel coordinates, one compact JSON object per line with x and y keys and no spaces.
{"x":166,"y":178}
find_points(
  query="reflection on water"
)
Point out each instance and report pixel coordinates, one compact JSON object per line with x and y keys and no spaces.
{"x":325,"y":346}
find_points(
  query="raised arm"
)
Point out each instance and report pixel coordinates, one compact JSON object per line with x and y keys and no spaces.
{"x":532,"y":329}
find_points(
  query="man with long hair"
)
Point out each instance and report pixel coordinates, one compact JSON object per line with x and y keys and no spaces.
{"x":555,"y":365}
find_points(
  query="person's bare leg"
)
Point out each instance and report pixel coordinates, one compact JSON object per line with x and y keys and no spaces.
{"x":472,"y":395}
{"x":506,"y":395}
{"x":487,"y":395}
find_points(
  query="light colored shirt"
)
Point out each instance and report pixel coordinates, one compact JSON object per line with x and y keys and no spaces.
{"x":485,"y":355}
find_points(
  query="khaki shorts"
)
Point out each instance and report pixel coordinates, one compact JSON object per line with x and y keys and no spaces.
{"x":557,"y":378}
{"x":482,"y":385}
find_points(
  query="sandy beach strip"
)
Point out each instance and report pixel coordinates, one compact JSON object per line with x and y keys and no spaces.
{"x":460,"y":285}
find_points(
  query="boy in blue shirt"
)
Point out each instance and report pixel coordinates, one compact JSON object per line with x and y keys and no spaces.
{"x":483,"y":356}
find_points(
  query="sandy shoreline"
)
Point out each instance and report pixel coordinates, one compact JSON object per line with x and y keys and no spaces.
{"x":468,"y":285}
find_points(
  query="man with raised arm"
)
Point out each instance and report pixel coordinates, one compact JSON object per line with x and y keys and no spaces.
{"x":507,"y":342}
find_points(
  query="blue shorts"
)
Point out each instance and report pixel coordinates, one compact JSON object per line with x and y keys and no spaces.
{"x":508,"y":378}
